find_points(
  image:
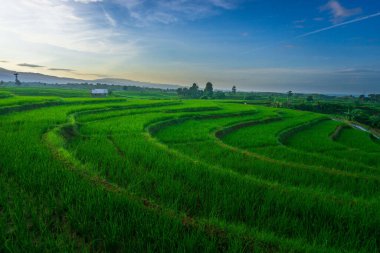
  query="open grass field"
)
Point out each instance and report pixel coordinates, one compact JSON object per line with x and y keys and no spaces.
{"x":145,"y":174}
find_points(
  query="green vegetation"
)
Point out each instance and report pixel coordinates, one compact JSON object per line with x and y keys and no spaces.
{"x":148,"y":172}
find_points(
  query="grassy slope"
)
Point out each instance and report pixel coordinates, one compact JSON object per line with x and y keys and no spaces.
{"x":87,"y":177}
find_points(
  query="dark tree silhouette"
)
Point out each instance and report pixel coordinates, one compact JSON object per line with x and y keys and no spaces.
{"x":219,"y":95}
{"x":289,"y":94}
{"x":234,"y":89}
{"x":349,"y":114}
{"x":209,"y":90}
{"x":194,"y":91}
{"x":17,"y":82}
{"x":374,"y":97}
{"x":180,"y":91}
{"x":375,"y":121}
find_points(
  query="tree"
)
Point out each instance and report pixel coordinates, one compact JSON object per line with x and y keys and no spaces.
{"x":309,"y":99}
{"x":184,"y":92}
{"x":194,"y":87}
{"x":375,"y":121}
{"x":289,"y":95}
{"x":251,"y":96}
{"x":360,"y":116}
{"x":194,"y":91}
{"x":234,"y":89}
{"x":209,"y":90}
{"x":219,"y":95}
{"x":374,"y":97}
{"x":349,"y":114}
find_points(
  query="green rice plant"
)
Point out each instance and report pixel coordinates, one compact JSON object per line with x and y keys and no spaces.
{"x":256,"y":139}
{"x":359,"y":140}
{"x":193,"y":137}
{"x":142,"y":160}
{"x":319,"y":141}
{"x":55,"y":92}
{"x":146,"y":175}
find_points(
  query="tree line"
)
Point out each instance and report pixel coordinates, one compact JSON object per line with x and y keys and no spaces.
{"x":360,"y":113}
{"x":208,"y":92}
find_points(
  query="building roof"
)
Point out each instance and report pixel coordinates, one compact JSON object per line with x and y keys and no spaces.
{"x":99,"y":91}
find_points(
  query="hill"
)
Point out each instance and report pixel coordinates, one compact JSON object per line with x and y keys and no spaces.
{"x":7,"y":76}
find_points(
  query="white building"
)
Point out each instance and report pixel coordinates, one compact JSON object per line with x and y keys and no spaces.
{"x":99,"y":92}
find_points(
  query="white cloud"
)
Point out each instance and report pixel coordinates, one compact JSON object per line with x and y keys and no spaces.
{"x":225,"y":4}
{"x":277,"y":71}
{"x":57,"y":23}
{"x":171,"y":11}
{"x":88,"y":1}
{"x":339,"y":12}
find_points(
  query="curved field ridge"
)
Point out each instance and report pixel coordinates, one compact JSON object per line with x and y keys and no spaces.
{"x":146,"y":175}
{"x":359,"y":150}
{"x":223,"y":132}
{"x":220,"y":134}
{"x":286,"y":134}
{"x":338,"y":131}
{"x":55,"y":142}
{"x":359,"y":140}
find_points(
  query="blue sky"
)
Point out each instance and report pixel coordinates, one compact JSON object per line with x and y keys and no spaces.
{"x":261,"y":45}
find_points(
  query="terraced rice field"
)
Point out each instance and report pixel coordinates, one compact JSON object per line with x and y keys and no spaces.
{"x":167,"y":175}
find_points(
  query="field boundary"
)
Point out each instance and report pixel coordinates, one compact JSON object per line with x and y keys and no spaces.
{"x":219,"y":134}
{"x":338,"y":131}
{"x":284,"y":135}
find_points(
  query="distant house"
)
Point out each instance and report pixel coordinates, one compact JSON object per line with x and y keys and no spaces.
{"x":99,"y":92}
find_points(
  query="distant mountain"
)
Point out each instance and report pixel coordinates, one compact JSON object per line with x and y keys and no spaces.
{"x":7,"y":76}
{"x":126,"y":82}
{"x":28,"y":77}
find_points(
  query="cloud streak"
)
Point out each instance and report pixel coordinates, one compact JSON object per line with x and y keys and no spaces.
{"x":59,"y":69}
{"x":30,"y":65}
{"x":110,"y":19}
{"x":339,"y":25}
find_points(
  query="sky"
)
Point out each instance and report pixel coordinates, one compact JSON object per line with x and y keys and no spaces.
{"x":325,"y":46}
